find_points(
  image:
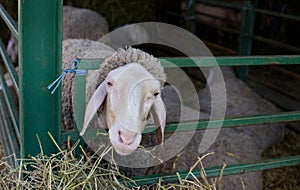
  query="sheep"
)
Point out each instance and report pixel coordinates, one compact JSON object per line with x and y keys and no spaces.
{"x":83,"y":23}
{"x":232,"y":146}
{"x":77,"y":23}
{"x":126,"y":88}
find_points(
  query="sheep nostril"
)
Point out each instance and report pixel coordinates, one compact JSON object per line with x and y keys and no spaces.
{"x":120,"y":136}
{"x":124,"y":140}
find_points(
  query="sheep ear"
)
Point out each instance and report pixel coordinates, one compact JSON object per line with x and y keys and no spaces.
{"x":158,"y":112}
{"x":93,"y":105}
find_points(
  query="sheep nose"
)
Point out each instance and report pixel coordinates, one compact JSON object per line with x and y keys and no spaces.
{"x":126,"y":139}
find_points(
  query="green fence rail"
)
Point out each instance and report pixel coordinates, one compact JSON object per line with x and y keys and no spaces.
{"x":214,"y":171}
{"x":93,"y":64}
{"x":40,"y":38}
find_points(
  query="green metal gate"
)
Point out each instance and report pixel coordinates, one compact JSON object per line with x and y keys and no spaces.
{"x":40,"y":39}
{"x":202,"y":125}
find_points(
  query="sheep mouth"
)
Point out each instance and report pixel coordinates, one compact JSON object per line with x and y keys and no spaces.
{"x":123,"y":149}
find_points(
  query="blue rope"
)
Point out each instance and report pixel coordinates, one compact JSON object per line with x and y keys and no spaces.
{"x":72,"y":69}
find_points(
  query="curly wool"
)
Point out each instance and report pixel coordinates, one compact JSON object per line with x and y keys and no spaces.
{"x":132,"y":55}
{"x":87,"y":49}
{"x":72,"y":49}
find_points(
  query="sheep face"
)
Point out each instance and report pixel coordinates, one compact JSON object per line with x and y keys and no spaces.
{"x":131,"y":94}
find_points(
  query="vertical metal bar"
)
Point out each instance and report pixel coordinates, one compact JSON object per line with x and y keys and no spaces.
{"x":40,"y":28}
{"x":247,"y":33}
{"x":80,"y":84}
{"x":246,"y":36}
{"x":190,"y":10}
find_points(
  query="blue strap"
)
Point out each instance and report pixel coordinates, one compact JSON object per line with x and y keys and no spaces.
{"x":73,"y":68}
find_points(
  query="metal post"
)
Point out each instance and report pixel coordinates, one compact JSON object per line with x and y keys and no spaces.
{"x":40,"y":29}
{"x":246,"y":36}
{"x":190,"y":11}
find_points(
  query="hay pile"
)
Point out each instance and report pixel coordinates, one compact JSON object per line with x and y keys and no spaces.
{"x":61,"y":171}
{"x":65,"y":171}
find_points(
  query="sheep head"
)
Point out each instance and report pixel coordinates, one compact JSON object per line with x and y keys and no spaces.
{"x":130,"y":93}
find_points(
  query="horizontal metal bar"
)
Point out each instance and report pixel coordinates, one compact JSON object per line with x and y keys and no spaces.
{"x":215,"y":171}
{"x":210,"y":15}
{"x":93,"y":64}
{"x":222,"y":4}
{"x":229,"y":122}
{"x":276,"y":43}
{"x":11,"y":23}
{"x":223,"y":28}
{"x":276,"y":88}
{"x":202,"y":125}
{"x":226,"y":50}
{"x":230,"y":61}
{"x":9,"y":67}
{"x":277,"y":14}
{"x":241,"y":7}
{"x":89,"y":64}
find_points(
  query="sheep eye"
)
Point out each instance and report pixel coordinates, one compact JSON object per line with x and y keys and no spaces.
{"x":156,"y":93}
{"x":109,"y":83}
